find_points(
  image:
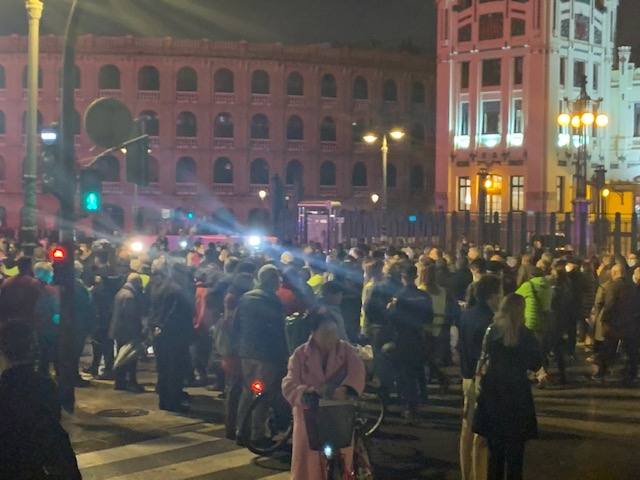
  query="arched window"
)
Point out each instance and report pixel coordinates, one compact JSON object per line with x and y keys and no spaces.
{"x":328,"y":130}
{"x":186,"y":170}
{"x":76,"y":123}
{"x":187,"y":80}
{"x":360,"y":88}
{"x":223,"y":126}
{"x":154,"y":170}
{"x":150,"y":123}
{"x":359,"y":175}
{"x":417,"y":179}
{"x":295,"y":84}
{"x":25,"y":73}
{"x":109,"y":78}
{"x":40,"y":122}
{"x":3,"y":124}
{"x":392,"y":175}
{"x":358,"y":131}
{"x":223,"y":171}
{"x":259,"y":126}
{"x":390,"y":91}
{"x":3,"y":78}
{"x":3,"y":173}
{"x":294,"y":174}
{"x":260,"y":82}
{"x":259,"y":174}
{"x":417,"y":92}
{"x":109,"y":168}
{"x":295,"y":128}
{"x":328,"y":86}
{"x":328,"y":174}
{"x":223,"y":81}
{"x":417,"y":134}
{"x":149,"y":79}
{"x":186,"y":125}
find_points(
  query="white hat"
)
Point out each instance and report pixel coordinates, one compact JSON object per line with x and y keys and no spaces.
{"x":286,"y":258}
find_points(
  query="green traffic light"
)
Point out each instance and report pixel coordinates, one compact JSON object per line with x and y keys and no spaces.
{"x":91,"y":202}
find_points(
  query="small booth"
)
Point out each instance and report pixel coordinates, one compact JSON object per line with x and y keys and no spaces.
{"x":318,"y":222}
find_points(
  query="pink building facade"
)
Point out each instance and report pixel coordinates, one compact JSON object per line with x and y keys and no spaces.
{"x":225,"y":117}
{"x":503,"y":70}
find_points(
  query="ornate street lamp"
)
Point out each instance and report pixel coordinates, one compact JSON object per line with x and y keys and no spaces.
{"x":582,"y":115}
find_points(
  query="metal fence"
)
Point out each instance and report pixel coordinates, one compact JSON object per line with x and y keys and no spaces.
{"x":513,"y":231}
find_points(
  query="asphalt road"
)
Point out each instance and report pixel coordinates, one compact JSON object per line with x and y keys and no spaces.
{"x":587,"y":432}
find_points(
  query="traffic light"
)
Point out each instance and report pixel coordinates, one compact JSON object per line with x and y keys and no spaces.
{"x":90,"y":190}
{"x":51,"y":161}
{"x":190,"y":215}
{"x":138,"y":159}
{"x":61,"y":265}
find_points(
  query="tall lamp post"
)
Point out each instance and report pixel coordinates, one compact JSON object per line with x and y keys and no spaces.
{"x":371,"y":138}
{"x":28,"y":228}
{"x":582,"y":115}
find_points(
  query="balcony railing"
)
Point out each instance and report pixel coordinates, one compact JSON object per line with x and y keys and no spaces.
{"x":295,"y":145}
{"x":261,"y":99}
{"x":255,"y":188}
{"x":223,"y":143}
{"x":295,"y":101}
{"x":361,"y":192}
{"x":187,"y":97}
{"x":260,"y":143}
{"x":224,"y":98}
{"x":186,"y":188}
{"x":111,"y":188}
{"x":328,"y":146}
{"x":151,"y":189}
{"x":328,"y":190}
{"x":103,"y":92}
{"x":223,"y":189}
{"x":149,"y":96}
{"x":187,"y":142}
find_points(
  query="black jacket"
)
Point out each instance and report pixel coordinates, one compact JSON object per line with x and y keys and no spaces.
{"x":505,"y":408}
{"x":473,"y":325}
{"x":411,"y":311}
{"x":31,"y":437}
{"x":171,"y":310}
{"x":258,"y":328}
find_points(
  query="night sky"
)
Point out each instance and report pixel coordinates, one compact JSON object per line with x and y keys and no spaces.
{"x":386,"y":23}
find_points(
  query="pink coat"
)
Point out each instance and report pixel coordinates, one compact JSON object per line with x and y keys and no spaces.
{"x":305,"y":370}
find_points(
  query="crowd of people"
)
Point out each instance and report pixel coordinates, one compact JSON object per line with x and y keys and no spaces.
{"x":221,"y":316}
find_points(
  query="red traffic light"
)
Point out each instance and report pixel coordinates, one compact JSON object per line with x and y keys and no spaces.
{"x":57,"y":254}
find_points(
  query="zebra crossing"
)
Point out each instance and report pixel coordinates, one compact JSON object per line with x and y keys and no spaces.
{"x":191,"y":455}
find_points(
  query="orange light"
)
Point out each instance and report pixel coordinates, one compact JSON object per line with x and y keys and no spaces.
{"x":576,"y":121}
{"x":564,"y":119}
{"x":57,"y":254}
{"x":257,"y":387}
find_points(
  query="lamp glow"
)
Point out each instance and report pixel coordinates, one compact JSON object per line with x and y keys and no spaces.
{"x":370,"y":138}
{"x":137,"y":246}
{"x":254,"y":241}
{"x":602,"y":120}
{"x":262,"y":194}
{"x":396,"y":134}
{"x":576,"y":122}
{"x":564,"y":119}
{"x":488,"y":183}
{"x":605,"y":192}
{"x":588,"y":118}
{"x":375,"y":197}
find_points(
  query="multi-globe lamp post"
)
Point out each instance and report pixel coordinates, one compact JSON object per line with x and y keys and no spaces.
{"x":583,"y":117}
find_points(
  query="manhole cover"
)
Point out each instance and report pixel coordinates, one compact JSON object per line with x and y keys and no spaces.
{"x":122,"y":413}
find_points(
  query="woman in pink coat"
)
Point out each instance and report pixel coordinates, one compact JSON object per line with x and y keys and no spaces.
{"x":330,"y":367}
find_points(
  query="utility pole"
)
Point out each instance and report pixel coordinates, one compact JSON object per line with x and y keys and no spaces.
{"x":29,"y":226}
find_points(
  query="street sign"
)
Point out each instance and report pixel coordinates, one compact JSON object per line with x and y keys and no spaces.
{"x":108,"y":122}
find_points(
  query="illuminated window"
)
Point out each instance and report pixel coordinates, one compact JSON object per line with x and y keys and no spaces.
{"x":517,"y":193}
{"x":491,"y":117}
{"x":464,"y":193}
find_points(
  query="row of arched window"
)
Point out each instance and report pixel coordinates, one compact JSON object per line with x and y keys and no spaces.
{"x":259,"y":172}
{"x":224,"y":82}
{"x":223,"y":127}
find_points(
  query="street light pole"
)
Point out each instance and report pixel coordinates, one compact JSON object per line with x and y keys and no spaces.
{"x":385,"y":154}
{"x":28,"y":229}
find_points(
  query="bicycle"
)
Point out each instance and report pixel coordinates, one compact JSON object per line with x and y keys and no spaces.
{"x":279,"y":417}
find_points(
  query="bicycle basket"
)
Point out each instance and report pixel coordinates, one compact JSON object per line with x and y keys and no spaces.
{"x":332,"y":423}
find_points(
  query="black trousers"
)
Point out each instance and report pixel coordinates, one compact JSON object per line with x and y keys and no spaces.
{"x":505,"y":455}
{"x":171,"y":357}
{"x":126,"y":375}
{"x":102,"y":346}
{"x":631,"y":346}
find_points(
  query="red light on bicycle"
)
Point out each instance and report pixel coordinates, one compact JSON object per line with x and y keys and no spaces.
{"x":257,"y":387}
{"x":57,"y":254}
